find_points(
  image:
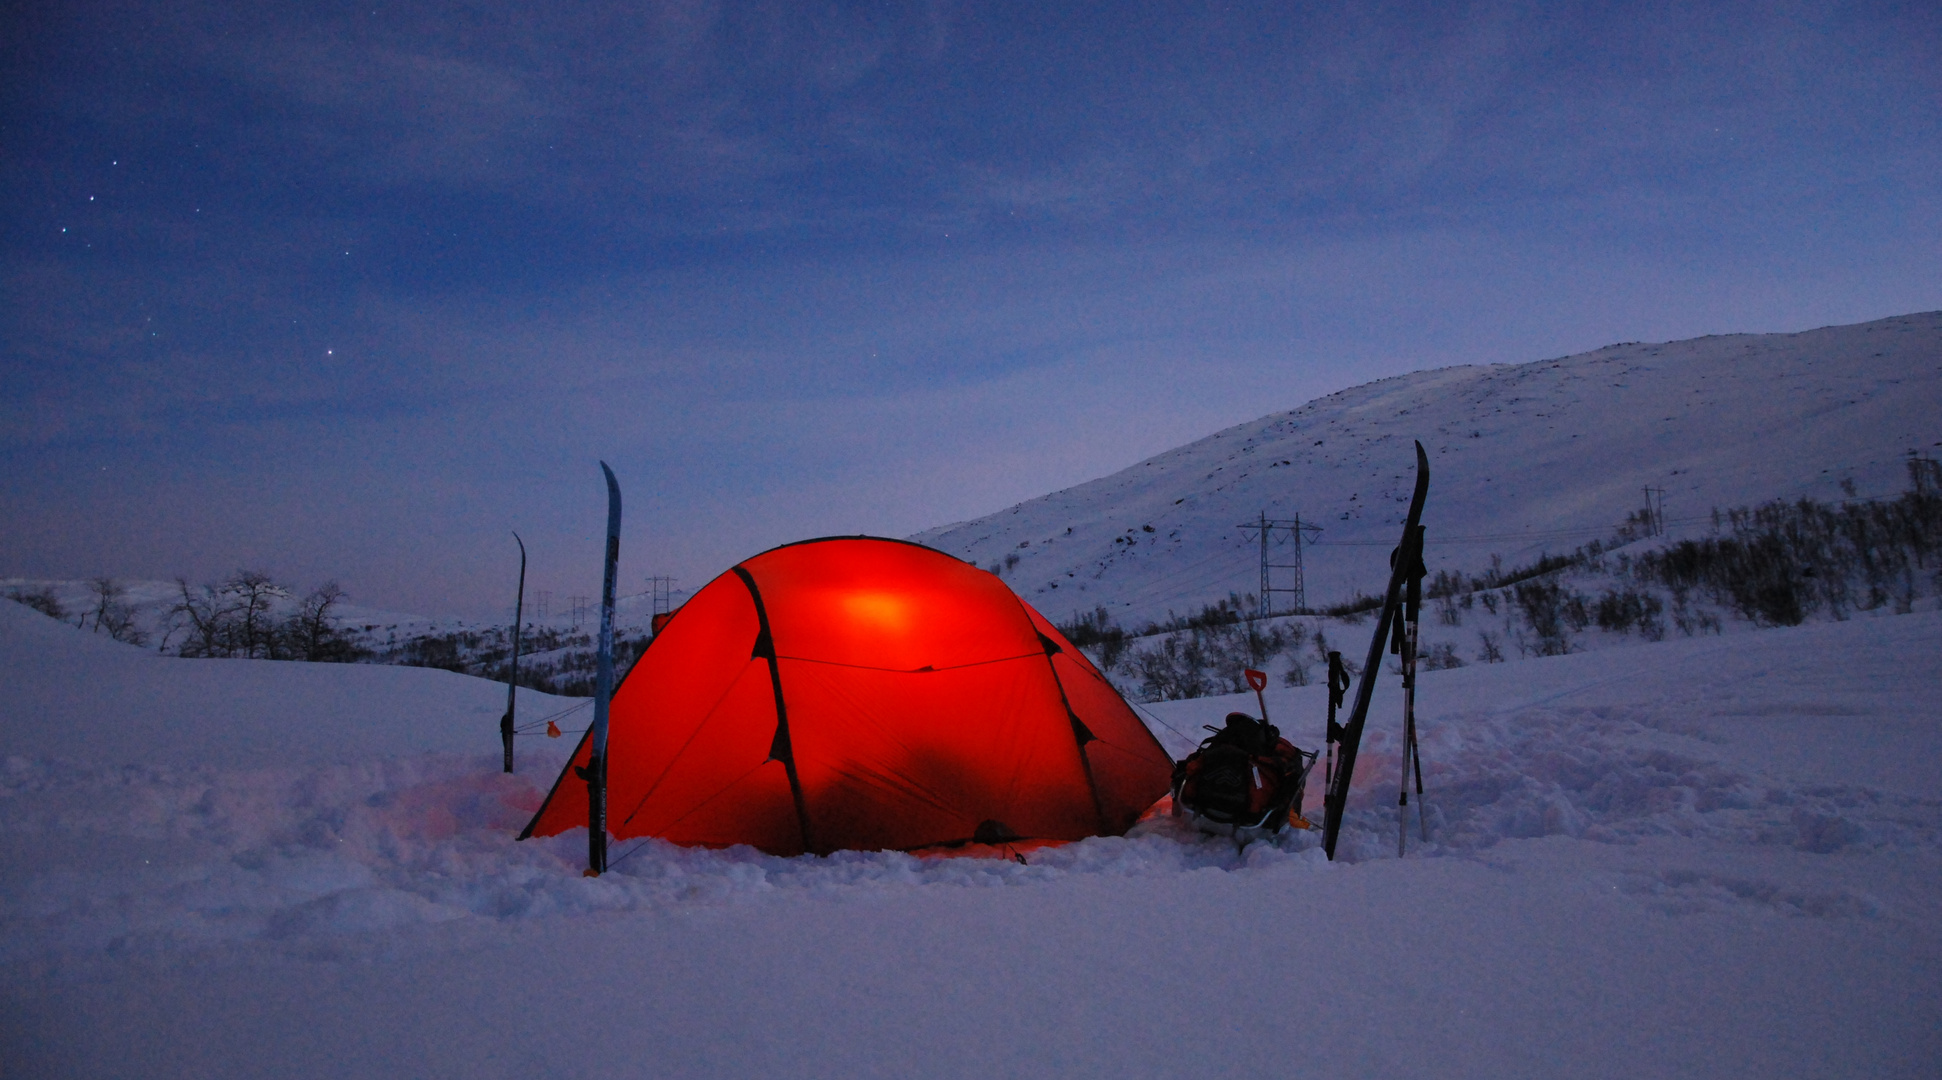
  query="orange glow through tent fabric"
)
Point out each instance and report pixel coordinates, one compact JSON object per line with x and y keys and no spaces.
{"x":864,"y":693}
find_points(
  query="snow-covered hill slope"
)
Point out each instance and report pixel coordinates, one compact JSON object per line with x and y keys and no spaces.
{"x":74,"y":695}
{"x":557,"y":650}
{"x":148,"y":604}
{"x":1524,"y":458}
{"x":1706,"y":857}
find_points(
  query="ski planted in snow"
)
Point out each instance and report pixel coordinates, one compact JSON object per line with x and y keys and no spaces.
{"x":595,"y":772}
{"x":1404,"y":645}
{"x":1407,"y":558}
{"x":512,"y":680}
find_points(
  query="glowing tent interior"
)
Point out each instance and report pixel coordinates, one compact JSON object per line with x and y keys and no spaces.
{"x":856,"y":692}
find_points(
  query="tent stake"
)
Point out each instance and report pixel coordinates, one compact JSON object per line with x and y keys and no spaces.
{"x":512,"y":680}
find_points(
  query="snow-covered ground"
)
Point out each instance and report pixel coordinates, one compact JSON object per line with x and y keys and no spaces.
{"x":557,"y":649}
{"x":1709,"y":856}
{"x":1716,"y":854}
{"x":1524,"y":459}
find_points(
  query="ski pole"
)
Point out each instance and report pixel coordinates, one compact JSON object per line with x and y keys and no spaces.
{"x":1422,"y":812}
{"x":1338,"y":685}
{"x":1409,"y":741}
{"x":1420,"y":571}
{"x":1409,"y":560}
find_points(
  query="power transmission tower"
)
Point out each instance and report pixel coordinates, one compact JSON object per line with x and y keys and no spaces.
{"x":1655,"y":511}
{"x":663,"y":588}
{"x":1924,"y":474}
{"x":579,"y":609}
{"x":1267,"y":527}
{"x":545,"y":602}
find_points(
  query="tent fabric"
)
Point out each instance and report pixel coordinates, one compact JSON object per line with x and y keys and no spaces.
{"x":863,"y":693}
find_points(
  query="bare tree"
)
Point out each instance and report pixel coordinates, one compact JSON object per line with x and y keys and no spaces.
{"x":203,"y":615}
{"x":253,"y":595}
{"x":112,"y":614}
{"x":312,"y":632}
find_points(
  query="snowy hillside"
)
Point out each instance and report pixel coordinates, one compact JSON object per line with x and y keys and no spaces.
{"x":146,"y":607}
{"x":78,"y":696}
{"x":248,"y":616}
{"x":1525,"y":458}
{"x":1706,"y":857}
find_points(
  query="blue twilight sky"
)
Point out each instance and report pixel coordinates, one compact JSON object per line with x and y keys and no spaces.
{"x":353,"y":290}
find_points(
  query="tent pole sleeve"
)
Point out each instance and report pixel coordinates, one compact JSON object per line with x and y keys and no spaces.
{"x":783,"y":748}
{"x":1081,"y":735}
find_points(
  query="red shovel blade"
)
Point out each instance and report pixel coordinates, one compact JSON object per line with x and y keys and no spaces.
{"x":1258,"y":680}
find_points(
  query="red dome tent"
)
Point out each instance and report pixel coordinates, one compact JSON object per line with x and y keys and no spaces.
{"x":856,"y":692}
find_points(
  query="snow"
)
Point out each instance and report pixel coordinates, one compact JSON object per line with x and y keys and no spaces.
{"x":149,"y":603}
{"x":1708,"y":856}
{"x":80,"y":696}
{"x":1524,"y":458}
{"x":1702,"y":857}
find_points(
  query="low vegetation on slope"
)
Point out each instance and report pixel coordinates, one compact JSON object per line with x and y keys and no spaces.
{"x":1777,"y":564}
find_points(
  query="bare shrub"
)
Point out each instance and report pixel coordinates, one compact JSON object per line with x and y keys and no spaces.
{"x":1440,"y":657}
{"x":42,"y":600}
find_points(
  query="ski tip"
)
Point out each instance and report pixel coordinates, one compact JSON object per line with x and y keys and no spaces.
{"x":613,"y":500}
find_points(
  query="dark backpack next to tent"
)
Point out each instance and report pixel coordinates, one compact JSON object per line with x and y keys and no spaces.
{"x":1244,"y":778}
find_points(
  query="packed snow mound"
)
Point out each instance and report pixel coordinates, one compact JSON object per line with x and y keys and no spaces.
{"x":1524,"y":458}
{"x":77,"y":696}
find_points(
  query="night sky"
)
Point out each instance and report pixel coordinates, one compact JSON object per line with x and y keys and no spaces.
{"x":353,"y":291}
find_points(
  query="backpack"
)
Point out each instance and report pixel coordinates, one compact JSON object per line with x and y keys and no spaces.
{"x":1243,"y":776}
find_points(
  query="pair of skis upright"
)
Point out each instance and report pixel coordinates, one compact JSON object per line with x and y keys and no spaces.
{"x":1395,"y":630}
{"x":595,"y":771}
